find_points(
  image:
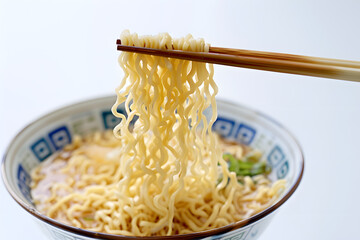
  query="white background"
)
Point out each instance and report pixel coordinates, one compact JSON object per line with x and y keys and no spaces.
{"x":53,"y":53}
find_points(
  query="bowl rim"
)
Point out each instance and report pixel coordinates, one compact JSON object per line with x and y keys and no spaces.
{"x":207,"y":233}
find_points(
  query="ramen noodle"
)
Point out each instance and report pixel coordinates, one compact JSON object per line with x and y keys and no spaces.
{"x":162,"y":171}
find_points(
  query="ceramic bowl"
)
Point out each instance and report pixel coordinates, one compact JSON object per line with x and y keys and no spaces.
{"x":52,"y":132}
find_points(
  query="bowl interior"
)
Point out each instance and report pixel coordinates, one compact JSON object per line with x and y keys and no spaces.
{"x":53,"y":131}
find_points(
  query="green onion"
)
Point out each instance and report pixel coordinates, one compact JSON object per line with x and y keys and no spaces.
{"x":248,"y":165}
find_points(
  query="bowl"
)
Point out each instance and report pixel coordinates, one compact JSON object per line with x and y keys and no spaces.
{"x":52,"y":132}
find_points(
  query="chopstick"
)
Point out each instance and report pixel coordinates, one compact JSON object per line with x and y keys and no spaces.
{"x":268,"y":61}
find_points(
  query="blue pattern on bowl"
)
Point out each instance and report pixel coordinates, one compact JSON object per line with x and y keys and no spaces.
{"x":24,"y":181}
{"x":223,"y":126}
{"x":60,"y":137}
{"x":283,"y":170}
{"x":41,"y":149}
{"x":276,"y":156}
{"x":245,"y":134}
{"x":110,"y":121}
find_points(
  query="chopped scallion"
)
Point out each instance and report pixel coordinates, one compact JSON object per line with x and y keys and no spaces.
{"x":247,"y":166}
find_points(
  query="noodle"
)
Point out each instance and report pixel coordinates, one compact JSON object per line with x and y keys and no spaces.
{"x":164,"y":176}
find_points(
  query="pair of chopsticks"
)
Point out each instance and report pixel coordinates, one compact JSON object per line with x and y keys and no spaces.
{"x":268,"y":61}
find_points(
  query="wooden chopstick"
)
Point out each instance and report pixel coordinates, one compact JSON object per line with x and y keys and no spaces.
{"x":283,"y":56}
{"x":275,"y":62}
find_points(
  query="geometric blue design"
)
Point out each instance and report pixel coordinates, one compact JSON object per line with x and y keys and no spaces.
{"x":60,"y":137}
{"x":283,"y":170}
{"x":109,"y":120}
{"x":41,"y":149}
{"x":223,"y":126}
{"x":24,"y":181}
{"x":276,"y":156}
{"x":245,"y":134}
